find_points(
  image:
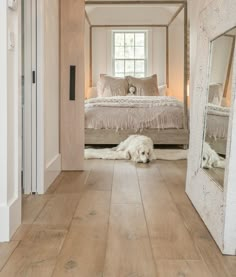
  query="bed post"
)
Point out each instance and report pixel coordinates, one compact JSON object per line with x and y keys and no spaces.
{"x":90,"y":55}
{"x":186,"y":127}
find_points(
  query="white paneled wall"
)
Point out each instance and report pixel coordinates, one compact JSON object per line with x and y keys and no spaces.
{"x":10,"y":121}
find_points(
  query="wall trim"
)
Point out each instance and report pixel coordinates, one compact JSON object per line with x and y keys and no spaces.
{"x":10,"y":219}
{"x":52,"y":170}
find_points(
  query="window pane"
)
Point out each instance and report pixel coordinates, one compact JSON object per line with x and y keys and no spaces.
{"x":139,"y":39}
{"x":129,"y":52}
{"x":119,"y":39}
{"x":130,"y":74}
{"x":139,"y":52}
{"x":139,"y":75}
{"x":119,"y":66}
{"x":139,"y":66}
{"x":121,"y":75}
{"x":129,"y":39}
{"x":119,"y":52}
{"x":129,"y":67}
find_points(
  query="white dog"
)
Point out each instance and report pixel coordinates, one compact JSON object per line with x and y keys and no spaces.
{"x":210,"y":158}
{"x":139,"y":148}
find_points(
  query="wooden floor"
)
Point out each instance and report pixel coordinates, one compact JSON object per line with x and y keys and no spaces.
{"x":115,"y":219}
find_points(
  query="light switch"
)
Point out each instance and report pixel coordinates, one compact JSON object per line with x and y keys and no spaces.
{"x":11,"y":40}
{"x":12,"y":4}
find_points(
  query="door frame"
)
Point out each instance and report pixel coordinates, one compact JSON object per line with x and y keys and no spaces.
{"x":29,"y":103}
{"x":33,"y":129}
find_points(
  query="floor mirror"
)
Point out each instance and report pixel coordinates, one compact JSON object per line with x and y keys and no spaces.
{"x":211,"y":177}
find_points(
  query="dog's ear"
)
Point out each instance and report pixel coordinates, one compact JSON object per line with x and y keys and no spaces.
{"x":135,"y":156}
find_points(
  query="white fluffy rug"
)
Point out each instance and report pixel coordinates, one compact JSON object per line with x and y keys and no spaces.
{"x":159,"y":154}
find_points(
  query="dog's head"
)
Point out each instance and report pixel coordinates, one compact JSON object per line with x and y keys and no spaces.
{"x":143,"y":153}
{"x":206,"y":161}
{"x":209,"y":156}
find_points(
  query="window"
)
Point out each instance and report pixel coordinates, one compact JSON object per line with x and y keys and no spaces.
{"x":129,"y":53}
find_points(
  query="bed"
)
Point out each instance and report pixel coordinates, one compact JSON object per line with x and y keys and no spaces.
{"x":217,"y":127}
{"x":110,"y":119}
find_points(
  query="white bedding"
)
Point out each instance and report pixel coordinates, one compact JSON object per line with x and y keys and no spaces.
{"x":217,"y":121}
{"x":134,"y":112}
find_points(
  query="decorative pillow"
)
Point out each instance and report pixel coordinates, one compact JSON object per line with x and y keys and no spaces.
{"x":109,"y":86}
{"x":144,"y":86}
{"x":215,"y":94}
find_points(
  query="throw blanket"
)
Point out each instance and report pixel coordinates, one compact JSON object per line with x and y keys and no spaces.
{"x":134,"y":112}
{"x":217,"y":121}
{"x":218,"y":110}
{"x":133,"y":101}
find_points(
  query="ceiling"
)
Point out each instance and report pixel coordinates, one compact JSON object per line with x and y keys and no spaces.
{"x":132,"y":14}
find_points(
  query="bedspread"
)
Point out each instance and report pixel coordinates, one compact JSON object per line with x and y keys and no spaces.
{"x":217,"y":121}
{"x":134,"y":112}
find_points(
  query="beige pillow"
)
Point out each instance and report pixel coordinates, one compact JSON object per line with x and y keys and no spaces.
{"x":144,"y":86}
{"x":215,"y":94}
{"x":109,"y":86}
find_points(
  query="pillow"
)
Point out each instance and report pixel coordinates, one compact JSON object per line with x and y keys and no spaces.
{"x":144,"y":86}
{"x":162,"y":90}
{"x":109,"y":86}
{"x":215,"y":94}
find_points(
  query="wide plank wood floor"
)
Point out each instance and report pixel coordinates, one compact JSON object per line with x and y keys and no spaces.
{"x":116,"y":219}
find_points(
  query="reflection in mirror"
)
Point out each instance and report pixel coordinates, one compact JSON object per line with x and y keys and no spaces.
{"x":218,"y":106}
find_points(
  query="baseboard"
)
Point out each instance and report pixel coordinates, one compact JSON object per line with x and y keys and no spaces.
{"x":53,"y":169}
{"x":10,"y":219}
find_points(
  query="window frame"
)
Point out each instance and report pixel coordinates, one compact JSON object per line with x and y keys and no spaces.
{"x":145,"y":59}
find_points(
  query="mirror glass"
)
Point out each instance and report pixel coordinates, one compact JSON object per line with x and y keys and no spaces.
{"x":218,"y":106}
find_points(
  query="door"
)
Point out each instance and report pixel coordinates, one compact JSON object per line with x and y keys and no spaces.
{"x":29,"y":103}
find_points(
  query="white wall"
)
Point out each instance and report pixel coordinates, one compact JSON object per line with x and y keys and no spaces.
{"x":102,"y":53}
{"x":176,"y":57}
{"x":10,"y":122}
{"x":221,"y":49}
{"x":87,"y":56}
{"x":50,"y":69}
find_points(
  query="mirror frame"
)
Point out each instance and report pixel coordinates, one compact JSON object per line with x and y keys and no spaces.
{"x":206,"y":195}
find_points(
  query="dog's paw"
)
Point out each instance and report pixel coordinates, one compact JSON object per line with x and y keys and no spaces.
{"x":127,"y":155}
{"x":219,"y":164}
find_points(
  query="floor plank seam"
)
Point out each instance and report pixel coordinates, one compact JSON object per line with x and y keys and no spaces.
{"x":69,"y":227}
{"x":184,"y":222}
{"x":108,"y":224}
{"x":148,"y":231}
{"x":176,"y":206}
{"x":36,"y":217}
{"x":10,"y":256}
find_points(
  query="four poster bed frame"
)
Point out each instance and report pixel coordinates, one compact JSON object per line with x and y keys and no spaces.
{"x":166,"y":136}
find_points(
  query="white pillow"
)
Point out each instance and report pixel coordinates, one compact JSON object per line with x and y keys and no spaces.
{"x":162,"y":90}
{"x":215,"y":94}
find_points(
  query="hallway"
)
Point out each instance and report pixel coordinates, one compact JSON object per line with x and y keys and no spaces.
{"x":114,"y":219}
